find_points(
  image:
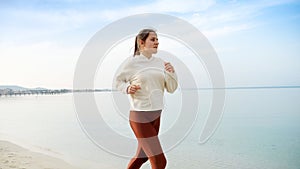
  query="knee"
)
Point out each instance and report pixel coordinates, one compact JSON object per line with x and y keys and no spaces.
{"x":164,"y":162}
{"x":160,"y":161}
{"x":144,"y":159}
{"x":136,"y":162}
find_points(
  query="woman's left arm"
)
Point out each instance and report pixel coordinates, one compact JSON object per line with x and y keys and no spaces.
{"x":170,"y":78}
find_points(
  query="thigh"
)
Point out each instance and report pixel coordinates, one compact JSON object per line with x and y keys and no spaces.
{"x":156,"y":124}
{"x":145,"y":124}
{"x":143,"y":130}
{"x":147,"y":138}
{"x":147,"y":132}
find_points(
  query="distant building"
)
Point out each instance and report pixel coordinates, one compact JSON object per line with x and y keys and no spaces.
{"x":6,"y":91}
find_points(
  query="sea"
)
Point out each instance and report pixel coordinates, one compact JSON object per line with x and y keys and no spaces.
{"x":259,"y":128}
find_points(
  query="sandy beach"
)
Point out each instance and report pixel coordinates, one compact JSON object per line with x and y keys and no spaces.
{"x":15,"y":157}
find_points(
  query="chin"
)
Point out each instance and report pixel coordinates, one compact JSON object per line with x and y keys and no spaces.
{"x":154,"y":51}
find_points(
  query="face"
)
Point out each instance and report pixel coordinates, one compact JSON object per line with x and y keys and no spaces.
{"x":150,"y":45}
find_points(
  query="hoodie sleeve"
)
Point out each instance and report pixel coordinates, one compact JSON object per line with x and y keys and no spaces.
{"x":170,"y":82}
{"x":121,"y":80}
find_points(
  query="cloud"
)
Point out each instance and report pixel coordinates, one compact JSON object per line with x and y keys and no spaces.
{"x":160,"y":6}
{"x":43,"y":30}
{"x":214,"y":19}
{"x":37,"y":22}
{"x":181,"y":6}
{"x":225,"y":19}
{"x":225,"y":30}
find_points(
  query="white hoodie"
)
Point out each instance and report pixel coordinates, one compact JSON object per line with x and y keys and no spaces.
{"x":151,"y":76}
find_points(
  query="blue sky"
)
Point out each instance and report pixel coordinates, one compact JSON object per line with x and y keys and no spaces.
{"x":258,"y":42}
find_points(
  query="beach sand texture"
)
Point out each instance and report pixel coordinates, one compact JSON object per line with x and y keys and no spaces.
{"x":16,"y":157}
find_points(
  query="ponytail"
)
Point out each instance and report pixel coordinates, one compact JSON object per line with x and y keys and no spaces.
{"x":136,"y":47}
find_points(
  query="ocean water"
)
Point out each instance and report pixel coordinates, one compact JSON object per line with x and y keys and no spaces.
{"x":260,"y":129}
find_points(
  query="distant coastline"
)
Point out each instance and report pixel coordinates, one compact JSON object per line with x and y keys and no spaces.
{"x":14,"y":90}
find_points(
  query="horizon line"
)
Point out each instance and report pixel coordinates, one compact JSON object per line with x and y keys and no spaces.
{"x":200,"y":88}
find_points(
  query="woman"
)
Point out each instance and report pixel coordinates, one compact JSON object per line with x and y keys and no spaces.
{"x":144,"y":77}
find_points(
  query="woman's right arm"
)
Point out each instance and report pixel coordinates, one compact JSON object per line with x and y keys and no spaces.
{"x":121,"y":81}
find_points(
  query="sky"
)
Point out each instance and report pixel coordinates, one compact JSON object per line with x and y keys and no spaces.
{"x":257,"y":42}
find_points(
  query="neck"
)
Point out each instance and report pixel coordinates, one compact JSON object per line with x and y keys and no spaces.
{"x":148,"y":55}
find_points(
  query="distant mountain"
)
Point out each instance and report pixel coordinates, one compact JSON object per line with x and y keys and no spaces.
{"x":37,"y":88}
{"x":13,"y":87}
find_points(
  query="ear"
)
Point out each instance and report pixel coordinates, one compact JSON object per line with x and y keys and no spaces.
{"x":141,"y":44}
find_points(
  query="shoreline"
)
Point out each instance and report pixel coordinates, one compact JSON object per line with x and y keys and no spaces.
{"x":14,"y":156}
